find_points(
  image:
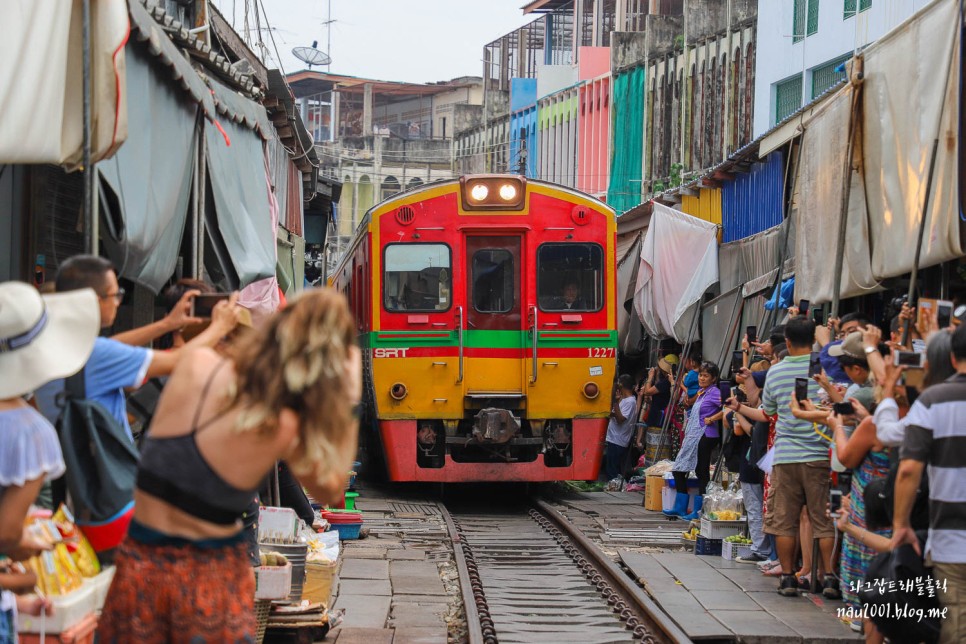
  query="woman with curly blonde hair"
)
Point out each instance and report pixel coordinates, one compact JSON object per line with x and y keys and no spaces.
{"x":289,"y":393}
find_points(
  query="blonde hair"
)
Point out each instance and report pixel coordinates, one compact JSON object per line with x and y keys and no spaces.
{"x":298,"y":360}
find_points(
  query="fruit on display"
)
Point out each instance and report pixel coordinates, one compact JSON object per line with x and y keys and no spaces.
{"x":739,"y":539}
{"x":690,"y":535}
{"x":725,"y":515}
{"x":272,"y":559}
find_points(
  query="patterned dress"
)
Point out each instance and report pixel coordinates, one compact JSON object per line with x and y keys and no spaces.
{"x":856,"y":556}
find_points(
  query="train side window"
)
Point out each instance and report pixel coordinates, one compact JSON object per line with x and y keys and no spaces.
{"x":417,"y":277}
{"x":570,"y":277}
{"x":493,"y":290}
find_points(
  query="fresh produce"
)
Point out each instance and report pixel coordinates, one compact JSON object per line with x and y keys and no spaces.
{"x":273,"y":559}
{"x":739,"y":539}
{"x":691,"y":535}
{"x":724,"y":515}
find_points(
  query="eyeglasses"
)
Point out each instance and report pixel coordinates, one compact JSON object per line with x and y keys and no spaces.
{"x":118,"y":297}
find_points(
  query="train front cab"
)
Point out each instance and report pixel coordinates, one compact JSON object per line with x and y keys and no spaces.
{"x":496,"y":342}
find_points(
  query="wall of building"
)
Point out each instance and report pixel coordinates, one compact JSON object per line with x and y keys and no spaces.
{"x":557,"y":137}
{"x":593,"y":136}
{"x":779,"y":58}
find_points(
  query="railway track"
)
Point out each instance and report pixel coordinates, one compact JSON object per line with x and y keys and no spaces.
{"x":529,"y":576}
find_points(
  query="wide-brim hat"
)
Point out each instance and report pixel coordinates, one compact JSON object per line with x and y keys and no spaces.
{"x":43,"y":337}
{"x":664,"y":364}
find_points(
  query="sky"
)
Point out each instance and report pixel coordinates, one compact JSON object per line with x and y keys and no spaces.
{"x":418,"y":41}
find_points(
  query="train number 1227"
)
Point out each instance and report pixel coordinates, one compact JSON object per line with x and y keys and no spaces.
{"x":601,"y":352}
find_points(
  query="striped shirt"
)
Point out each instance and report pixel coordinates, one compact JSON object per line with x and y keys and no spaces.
{"x":796,"y":441}
{"x":936,"y":435}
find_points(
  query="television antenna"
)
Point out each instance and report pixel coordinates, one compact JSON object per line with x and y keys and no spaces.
{"x":311,"y":55}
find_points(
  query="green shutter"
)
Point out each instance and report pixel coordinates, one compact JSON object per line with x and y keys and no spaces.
{"x":812,"y":17}
{"x":788,"y":98}
{"x":627,"y":140}
{"x":825,"y":76}
{"x":865,"y":4}
{"x":849,"y":8}
{"x":798,"y":21}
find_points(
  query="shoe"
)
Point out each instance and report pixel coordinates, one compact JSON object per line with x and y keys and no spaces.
{"x":753,"y":558}
{"x":830,"y":588}
{"x":698,"y":502}
{"x":788,"y":586}
{"x":680,"y":506}
{"x":804,"y":582}
{"x":856,"y":626}
{"x":774,"y":571}
{"x":768,"y":563}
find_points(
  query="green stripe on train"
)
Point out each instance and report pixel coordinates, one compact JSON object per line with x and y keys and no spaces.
{"x":477,"y":339}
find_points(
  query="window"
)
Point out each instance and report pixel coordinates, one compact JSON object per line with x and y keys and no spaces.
{"x":828,"y":75}
{"x":804,"y":19}
{"x":850,"y":7}
{"x":417,"y":277}
{"x":788,"y":98}
{"x":570,"y":277}
{"x":493,"y":290}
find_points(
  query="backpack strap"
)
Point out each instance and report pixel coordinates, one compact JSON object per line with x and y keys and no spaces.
{"x":74,"y":386}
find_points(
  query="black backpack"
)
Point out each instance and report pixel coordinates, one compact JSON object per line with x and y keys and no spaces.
{"x":896,"y":572}
{"x":919,"y":516}
{"x":101,"y":460}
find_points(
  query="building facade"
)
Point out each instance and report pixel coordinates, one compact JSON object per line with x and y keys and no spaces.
{"x":803,"y":45}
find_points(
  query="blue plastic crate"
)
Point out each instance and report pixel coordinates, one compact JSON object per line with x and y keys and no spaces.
{"x":349,"y":531}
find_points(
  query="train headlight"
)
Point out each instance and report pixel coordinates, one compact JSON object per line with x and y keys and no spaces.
{"x":591,"y":390}
{"x":508,"y":192}
{"x":479,"y":192}
{"x":398,"y":391}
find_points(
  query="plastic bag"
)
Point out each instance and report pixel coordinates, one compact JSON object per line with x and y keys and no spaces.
{"x":712,"y":500}
{"x":660,"y":468}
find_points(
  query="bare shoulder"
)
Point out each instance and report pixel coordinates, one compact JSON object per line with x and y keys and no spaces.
{"x":196,"y":364}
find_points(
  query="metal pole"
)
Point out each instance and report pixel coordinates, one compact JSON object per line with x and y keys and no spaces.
{"x":922,"y":232}
{"x":844,"y":208}
{"x":91,"y":233}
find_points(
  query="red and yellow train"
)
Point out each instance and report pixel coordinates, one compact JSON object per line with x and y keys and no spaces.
{"x":486,"y":314}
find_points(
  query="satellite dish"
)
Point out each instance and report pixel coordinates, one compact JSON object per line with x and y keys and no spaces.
{"x":312,"y":56}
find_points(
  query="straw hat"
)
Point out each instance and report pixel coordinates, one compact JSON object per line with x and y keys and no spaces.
{"x":665,"y":363}
{"x":43,"y":338}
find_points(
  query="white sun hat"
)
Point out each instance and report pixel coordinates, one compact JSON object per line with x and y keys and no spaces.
{"x":43,"y":338}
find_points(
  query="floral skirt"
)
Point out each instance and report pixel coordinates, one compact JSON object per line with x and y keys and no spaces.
{"x":180,"y":593}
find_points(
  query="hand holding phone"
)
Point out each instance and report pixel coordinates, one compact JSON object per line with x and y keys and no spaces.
{"x":752,"y":333}
{"x":843,"y":408}
{"x":814,"y":364}
{"x":835,"y":502}
{"x":725,"y":387}
{"x":909,"y":359}
{"x":204,"y":303}
{"x":801,"y":389}
{"x":803,"y":307}
{"x":944,"y":313}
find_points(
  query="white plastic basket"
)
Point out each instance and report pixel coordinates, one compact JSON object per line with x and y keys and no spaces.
{"x":721,"y":529}
{"x":731,"y":551}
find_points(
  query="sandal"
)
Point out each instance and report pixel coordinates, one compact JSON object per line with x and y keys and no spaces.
{"x":805,"y":582}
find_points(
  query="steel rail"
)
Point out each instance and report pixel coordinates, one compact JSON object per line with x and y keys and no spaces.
{"x":658,"y":625}
{"x":474,"y":627}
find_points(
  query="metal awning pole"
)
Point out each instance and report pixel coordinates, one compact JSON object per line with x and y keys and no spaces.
{"x":91,"y":234}
{"x":844,"y":205}
{"x":922,"y":231}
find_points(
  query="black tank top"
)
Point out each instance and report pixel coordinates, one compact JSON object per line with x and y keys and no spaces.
{"x":173,"y":470}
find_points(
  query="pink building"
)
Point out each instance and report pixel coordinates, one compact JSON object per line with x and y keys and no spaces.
{"x":593,"y":131}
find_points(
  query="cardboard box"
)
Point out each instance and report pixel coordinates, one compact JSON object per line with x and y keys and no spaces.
{"x":653,"y":488}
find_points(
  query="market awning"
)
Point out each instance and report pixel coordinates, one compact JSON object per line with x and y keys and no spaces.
{"x":145,"y":29}
{"x":679,"y":262}
{"x":241,"y":231}
{"x":751,"y":258}
{"x":145,"y":188}
{"x":719,"y":320}
{"x":628,"y":325}
{"x":41,"y":81}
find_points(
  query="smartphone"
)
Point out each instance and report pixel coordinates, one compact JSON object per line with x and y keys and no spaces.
{"x":814,"y":364}
{"x":752,"y":332}
{"x":725,"y":387}
{"x":910,"y":359}
{"x":843,"y":408}
{"x":202,"y":305}
{"x":803,"y":306}
{"x":944,"y":313}
{"x":737,"y":360}
{"x":818,"y":314}
{"x":801,"y":389}
{"x":834,"y":501}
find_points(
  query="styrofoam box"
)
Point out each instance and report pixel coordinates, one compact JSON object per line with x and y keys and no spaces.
{"x":101,"y":584}
{"x":69,"y":609}
{"x":273,"y":582}
{"x":721,"y":529}
{"x":277,"y":525}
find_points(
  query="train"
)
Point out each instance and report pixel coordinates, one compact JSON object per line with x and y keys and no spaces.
{"x":486,"y":313}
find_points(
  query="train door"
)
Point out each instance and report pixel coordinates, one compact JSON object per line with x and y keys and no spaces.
{"x":495,"y":316}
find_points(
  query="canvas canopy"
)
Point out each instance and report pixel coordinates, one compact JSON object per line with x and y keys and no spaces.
{"x":679,"y":262}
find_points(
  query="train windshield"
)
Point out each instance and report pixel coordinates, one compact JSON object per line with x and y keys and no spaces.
{"x":493,"y":289}
{"x":417,"y":277}
{"x":570,"y":277}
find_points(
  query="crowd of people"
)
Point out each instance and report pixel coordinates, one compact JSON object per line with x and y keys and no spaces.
{"x":820,"y":413}
{"x":234,"y":404}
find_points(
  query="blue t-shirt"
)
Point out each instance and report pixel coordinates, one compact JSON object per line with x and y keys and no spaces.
{"x":691,"y":382}
{"x":113,"y":367}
